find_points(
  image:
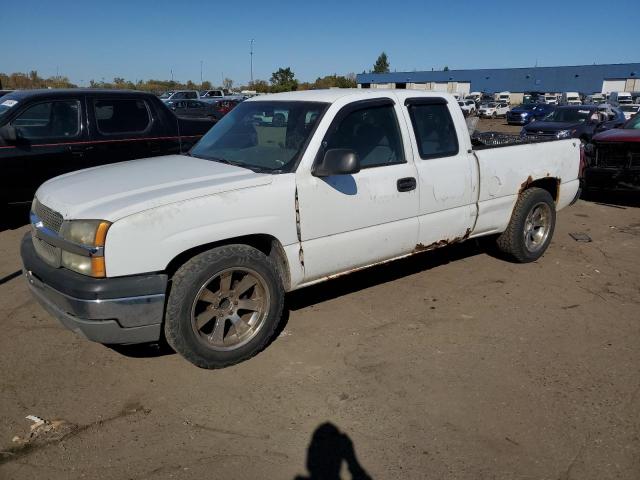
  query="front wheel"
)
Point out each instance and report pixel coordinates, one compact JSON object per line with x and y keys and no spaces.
{"x":224,"y":306}
{"x":531,"y":227}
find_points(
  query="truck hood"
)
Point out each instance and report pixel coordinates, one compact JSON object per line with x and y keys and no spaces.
{"x":618,"y":135}
{"x":111,"y":192}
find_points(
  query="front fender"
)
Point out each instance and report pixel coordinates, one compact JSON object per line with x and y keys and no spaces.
{"x":149,"y":240}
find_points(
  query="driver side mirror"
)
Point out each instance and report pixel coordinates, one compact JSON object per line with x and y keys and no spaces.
{"x":9,"y":133}
{"x":337,"y":161}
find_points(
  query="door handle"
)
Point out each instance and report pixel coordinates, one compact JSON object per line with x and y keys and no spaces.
{"x":78,"y":150}
{"x":406,"y":184}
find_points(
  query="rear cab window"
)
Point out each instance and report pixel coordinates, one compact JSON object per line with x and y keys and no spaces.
{"x":121,"y":116}
{"x":433,"y":127}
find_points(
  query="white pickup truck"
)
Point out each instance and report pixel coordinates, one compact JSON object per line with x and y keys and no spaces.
{"x":286,"y":191}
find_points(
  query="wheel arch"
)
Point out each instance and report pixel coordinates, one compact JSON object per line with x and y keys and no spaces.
{"x":267,"y":244}
{"x":550,"y":184}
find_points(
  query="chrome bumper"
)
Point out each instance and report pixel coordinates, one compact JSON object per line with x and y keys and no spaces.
{"x":111,"y":321}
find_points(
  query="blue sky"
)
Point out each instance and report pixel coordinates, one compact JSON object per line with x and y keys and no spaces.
{"x":147,"y":39}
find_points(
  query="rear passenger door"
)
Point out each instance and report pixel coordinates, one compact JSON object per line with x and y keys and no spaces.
{"x":122,"y":128}
{"x":447,"y":170}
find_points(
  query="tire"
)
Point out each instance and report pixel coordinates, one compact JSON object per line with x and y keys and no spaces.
{"x":522,"y":241}
{"x":494,"y":114}
{"x":217,"y":285}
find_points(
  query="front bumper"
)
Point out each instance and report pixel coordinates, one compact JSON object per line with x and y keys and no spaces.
{"x":612,"y":178}
{"x":119,"y":310}
{"x":517,"y":120}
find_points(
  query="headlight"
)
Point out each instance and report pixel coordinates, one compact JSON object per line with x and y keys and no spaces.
{"x":89,"y":237}
{"x":90,"y":233}
{"x":563,"y":134}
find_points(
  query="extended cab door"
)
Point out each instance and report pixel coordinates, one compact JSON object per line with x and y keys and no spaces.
{"x":349,"y":221}
{"x":447,"y":169}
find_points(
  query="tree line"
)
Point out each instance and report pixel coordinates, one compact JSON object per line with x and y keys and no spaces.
{"x":281,"y":80}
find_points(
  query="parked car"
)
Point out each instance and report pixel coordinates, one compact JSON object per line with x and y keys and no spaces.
{"x":288,"y":190}
{"x":575,"y":122}
{"x":180,"y":95}
{"x":45,"y":133}
{"x":620,"y":98}
{"x":503,"y":97}
{"x":550,"y":99}
{"x":613,"y":158}
{"x":4,"y":92}
{"x":201,"y":109}
{"x":476,"y":97}
{"x":493,"y":110}
{"x":523,"y":114}
{"x":471,"y":106}
{"x":595,"y":99}
{"x":216,"y":94}
{"x":630,"y":111}
{"x":468,"y":107}
{"x":570,"y":98}
{"x":193,"y":108}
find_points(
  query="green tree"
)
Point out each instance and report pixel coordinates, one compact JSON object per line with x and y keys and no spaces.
{"x":283,"y":80}
{"x":446,"y":68}
{"x":206,"y":85}
{"x":260,"y":86}
{"x":382,"y":64}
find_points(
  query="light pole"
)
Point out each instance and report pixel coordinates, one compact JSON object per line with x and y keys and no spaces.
{"x":200,"y":73}
{"x":251,"y":58}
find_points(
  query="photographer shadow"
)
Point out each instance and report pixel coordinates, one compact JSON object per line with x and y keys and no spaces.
{"x":328,"y":449}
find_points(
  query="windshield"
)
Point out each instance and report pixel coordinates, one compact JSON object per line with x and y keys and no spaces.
{"x":7,"y":103}
{"x":262,"y":136}
{"x":166,"y":94}
{"x":629,"y":108}
{"x":569,"y":115}
{"x":634,"y":123}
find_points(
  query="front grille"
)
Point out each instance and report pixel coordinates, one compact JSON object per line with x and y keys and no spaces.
{"x":531,"y":133}
{"x":50,"y":218}
{"x":46,"y":252}
{"x":618,"y":156}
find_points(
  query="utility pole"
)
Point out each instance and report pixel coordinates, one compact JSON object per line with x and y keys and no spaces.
{"x":172,"y":74}
{"x":251,"y":57}
{"x":200,"y":73}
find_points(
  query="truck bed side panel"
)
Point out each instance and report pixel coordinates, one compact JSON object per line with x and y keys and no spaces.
{"x":506,"y":171}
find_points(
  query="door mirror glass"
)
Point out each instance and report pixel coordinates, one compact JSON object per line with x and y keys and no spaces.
{"x":338,"y":161}
{"x":9,"y":134}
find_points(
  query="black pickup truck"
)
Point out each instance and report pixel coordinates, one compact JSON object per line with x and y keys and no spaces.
{"x":45,"y":133}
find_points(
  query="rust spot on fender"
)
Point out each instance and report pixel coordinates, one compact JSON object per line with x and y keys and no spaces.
{"x":524,"y":185}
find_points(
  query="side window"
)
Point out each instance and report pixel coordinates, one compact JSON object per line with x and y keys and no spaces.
{"x":434,"y":130}
{"x":58,"y":119}
{"x":114,"y":116}
{"x":191,"y":95}
{"x":373,"y":133}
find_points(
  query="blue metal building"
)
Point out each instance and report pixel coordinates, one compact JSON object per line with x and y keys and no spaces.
{"x":582,"y":78}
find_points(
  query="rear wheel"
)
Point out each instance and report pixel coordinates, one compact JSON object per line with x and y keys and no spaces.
{"x":224,"y":306}
{"x":495,"y":115}
{"x":531,"y":227}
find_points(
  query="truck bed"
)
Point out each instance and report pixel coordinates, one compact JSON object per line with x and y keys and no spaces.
{"x":487,"y":140}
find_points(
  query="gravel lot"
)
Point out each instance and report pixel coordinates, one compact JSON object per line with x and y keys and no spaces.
{"x":450,"y":364}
